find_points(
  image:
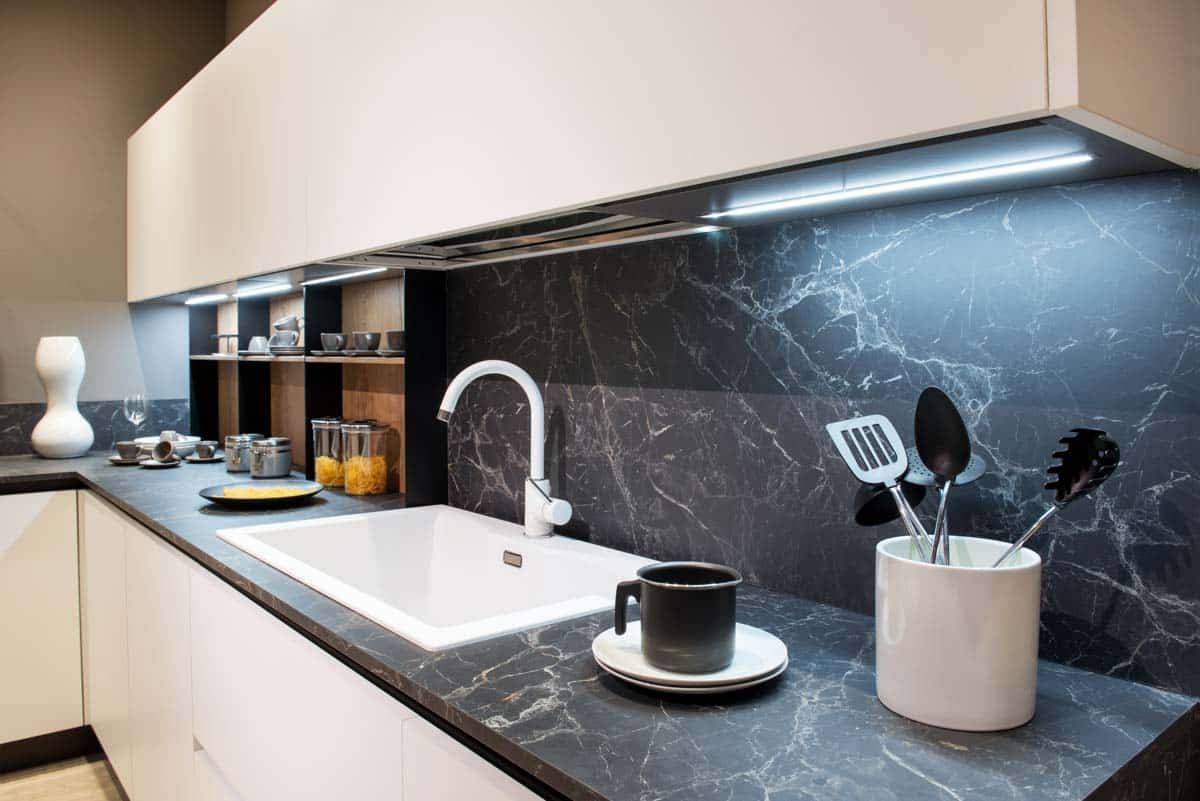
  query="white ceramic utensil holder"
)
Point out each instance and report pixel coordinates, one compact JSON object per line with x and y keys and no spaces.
{"x":62,"y":433}
{"x":957,"y":646}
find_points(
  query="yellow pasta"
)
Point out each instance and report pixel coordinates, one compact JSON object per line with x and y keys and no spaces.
{"x":366,"y":475}
{"x":259,"y":493}
{"x":330,"y":472}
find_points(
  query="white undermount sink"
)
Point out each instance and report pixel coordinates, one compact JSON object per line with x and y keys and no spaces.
{"x":440,"y":576}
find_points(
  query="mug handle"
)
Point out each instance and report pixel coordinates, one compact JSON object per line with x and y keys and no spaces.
{"x":625,"y":591}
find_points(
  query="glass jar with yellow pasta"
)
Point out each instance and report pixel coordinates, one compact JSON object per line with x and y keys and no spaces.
{"x":364,"y":453}
{"x":328,"y":469}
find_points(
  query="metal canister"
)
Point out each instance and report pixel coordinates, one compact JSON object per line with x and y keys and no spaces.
{"x":271,"y":457}
{"x":237,"y":451}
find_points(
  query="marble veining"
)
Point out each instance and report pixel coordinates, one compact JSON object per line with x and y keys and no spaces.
{"x":687,"y":383}
{"x":538,"y":701}
{"x":107,"y":419}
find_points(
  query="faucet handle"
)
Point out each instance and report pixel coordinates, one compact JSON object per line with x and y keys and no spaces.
{"x":557,"y":512}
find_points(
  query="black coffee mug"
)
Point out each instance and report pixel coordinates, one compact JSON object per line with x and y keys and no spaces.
{"x":688,"y":614}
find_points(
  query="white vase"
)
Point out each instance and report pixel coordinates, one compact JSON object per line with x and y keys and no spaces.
{"x":62,"y":433}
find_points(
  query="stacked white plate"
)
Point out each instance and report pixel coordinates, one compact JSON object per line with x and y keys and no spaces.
{"x":758,"y":658}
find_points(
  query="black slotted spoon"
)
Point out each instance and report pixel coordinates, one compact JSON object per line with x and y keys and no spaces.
{"x":1090,"y":457}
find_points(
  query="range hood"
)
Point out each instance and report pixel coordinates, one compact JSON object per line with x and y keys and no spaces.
{"x":1041,"y":152}
{"x":577,"y":230}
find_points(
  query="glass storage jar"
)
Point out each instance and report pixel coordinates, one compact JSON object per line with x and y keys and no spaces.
{"x":328,"y":468}
{"x":364,"y":452}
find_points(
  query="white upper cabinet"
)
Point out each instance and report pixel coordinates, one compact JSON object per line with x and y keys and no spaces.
{"x":328,"y":129}
{"x":442,"y":120}
{"x":216,"y":178}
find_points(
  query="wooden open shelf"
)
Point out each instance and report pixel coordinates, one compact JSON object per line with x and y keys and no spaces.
{"x":280,"y":395}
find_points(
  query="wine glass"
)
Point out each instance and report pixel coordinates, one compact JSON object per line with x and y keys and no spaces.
{"x":135,"y":409}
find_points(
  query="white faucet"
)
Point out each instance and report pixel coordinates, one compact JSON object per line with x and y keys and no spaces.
{"x":542,"y":512}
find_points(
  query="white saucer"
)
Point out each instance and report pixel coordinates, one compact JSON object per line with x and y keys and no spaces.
{"x":758,"y":656}
{"x":194,"y":459}
{"x":156,"y":465}
{"x":709,"y":690}
{"x":117,"y":460}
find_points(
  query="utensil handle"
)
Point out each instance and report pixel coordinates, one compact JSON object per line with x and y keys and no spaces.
{"x":625,"y":591}
{"x":940,"y":535}
{"x":907,"y":516}
{"x":1016,"y":546}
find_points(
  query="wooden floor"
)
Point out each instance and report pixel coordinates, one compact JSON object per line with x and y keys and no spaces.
{"x":83,"y":779}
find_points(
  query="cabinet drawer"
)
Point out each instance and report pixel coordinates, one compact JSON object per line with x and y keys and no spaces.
{"x":438,"y":768}
{"x":278,"y":716}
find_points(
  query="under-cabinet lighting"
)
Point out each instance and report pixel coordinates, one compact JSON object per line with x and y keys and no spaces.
{"x":943,"y":179}
{"x":329,"y":279}
{"x":253,"y":292}
{"x":200,"y":300}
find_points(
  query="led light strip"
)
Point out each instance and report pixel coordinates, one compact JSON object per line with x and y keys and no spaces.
{"x":945,"y":179}
{"x":273,"y":289}
{"x":343,"y":276}
{"x":200,"y":300}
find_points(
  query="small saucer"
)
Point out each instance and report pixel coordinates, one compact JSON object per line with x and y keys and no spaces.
{"x":326,"y":353}
{"x":254,"y":353}
{"x":386,"y":352}
{"x":194,"y":459}
{"x":117,"y":460}
{"x":358,"y":352}
{"x":157,"y":465}
{"x":709,"y":690}
{"x":759,"y":655}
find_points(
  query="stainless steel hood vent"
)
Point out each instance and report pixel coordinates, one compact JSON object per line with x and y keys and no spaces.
{"x":580,"y":230}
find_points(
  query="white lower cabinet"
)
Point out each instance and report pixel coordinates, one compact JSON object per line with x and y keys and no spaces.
{"x":160,"y":691}
{"x":137,"y":666}
{"x":278,"y":716}
{"x":198,"y":694}
{"x":210,"y":784}
{"x":40,"y":691}
{"x":438,"y":768}
{"x":105,"y":630}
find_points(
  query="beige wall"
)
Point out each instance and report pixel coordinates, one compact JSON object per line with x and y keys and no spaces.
{"x":240,"y":13}
{"x":76,"y":78}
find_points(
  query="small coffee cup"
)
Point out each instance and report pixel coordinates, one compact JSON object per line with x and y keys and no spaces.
{"x":688,"y":614}
{"x":258,"y":345}
{"x":365,"y":340}
{"x":205,"y":448}
{"x":333,"y":341}
{"x":164,"y":451}
{"x":129,"y":450}
{"x":168,"y":436}
{"x":284,"y":339}
{"x":393,"y":340}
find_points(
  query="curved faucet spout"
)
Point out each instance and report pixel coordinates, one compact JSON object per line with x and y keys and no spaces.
{"x":537,"y":409}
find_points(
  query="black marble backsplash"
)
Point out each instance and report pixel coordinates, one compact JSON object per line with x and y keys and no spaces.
{"x":688,"y":382}
{"x":106,"y":417}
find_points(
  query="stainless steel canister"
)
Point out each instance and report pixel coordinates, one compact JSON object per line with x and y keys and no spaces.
{"x":271,"y":457}
{"x":237,"y":452}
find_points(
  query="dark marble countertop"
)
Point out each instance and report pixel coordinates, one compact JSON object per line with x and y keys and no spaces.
{"x":538,"y":706}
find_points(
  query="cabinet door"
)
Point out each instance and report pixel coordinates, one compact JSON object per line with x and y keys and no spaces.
{"x":210,"y":784}
{"x":438,"y":768}
{"x":426,"y":120}
{"x":279,"y":717}
{"x":216,"y":177}
{"x":40,"y":687}
{"x":160,"y":699}
{"x":105,"y":630}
